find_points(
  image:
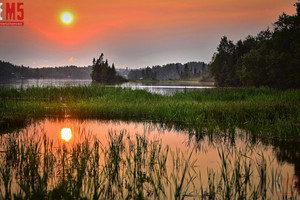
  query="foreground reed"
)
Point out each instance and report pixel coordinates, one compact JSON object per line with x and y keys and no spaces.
{"x":127,"y":167}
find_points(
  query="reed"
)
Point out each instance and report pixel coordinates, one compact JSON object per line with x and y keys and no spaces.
{"x":127,"y":167}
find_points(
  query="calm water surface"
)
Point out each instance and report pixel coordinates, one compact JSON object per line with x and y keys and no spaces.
{"x":155,"y":88}
{"x":282,"y":159}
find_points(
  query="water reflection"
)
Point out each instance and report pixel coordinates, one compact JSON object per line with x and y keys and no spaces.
{"x":162,"y":88}
{"x":25,"y":83}
{"x":165,"y":88}
{"x":115,"y":158}
{"x":66,"y":134}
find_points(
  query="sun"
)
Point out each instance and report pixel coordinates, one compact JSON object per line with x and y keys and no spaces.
{"x":66,"y":134}
{"x":66,"y":18}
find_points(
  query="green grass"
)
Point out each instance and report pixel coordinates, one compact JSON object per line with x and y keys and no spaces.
{"x":263,"y":111}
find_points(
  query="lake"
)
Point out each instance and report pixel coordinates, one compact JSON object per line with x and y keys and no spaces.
{"x":162,"y":88}
{"x":155,"y":159}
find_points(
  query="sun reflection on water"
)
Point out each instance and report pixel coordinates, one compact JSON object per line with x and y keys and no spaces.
{"x":66,"y":134}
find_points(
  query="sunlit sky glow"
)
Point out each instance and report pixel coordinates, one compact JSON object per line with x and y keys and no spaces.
{"x":132,"y":33}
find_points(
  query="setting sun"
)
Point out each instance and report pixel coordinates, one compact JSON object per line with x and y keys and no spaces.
{"x":66,"y":18}
{"x":66,"y":134}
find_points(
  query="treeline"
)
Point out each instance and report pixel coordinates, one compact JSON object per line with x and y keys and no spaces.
{"x":10,"y":71}
{"x":272,"y":58}
{"x":173,"y":71}
{"x":104,"y":73}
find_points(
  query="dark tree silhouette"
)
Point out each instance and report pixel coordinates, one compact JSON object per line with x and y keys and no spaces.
{"x":272,"y":58}
{"x":10,"y":71}
{"x":103,"y":73}
{"x":172,"y":71}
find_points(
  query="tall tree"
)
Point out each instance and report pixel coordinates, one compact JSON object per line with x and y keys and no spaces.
{"x":223,"y":64}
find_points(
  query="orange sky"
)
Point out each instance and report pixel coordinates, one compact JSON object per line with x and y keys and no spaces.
{"x":132,"y":33}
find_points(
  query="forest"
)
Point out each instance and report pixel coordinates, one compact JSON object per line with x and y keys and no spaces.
{"x":172,"y":71}
{"x":272,"y":58}
{"x":10,"y":71}
{"x":101,"y":71}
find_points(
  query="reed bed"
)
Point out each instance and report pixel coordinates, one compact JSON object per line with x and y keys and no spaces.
{"x":128,"y":167}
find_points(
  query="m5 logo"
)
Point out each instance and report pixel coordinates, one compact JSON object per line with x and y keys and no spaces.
{"x":11,"y":14}
{"x":1,"y":11}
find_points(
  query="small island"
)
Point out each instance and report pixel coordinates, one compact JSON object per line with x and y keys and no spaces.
{"x":103,"y":73}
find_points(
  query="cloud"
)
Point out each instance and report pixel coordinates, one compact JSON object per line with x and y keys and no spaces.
{"x":33,"y":63}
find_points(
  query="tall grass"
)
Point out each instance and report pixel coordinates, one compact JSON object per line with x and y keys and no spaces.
{"x":128,"y":167}
{"x":264,"y":112}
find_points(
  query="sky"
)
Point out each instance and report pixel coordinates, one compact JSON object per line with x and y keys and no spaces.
{"x":132,"y":33}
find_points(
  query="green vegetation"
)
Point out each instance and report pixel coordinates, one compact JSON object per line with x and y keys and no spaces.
{"x":103,"y":73}
{"x":269,"y":59}
{"x":35,"y":167}
{"x":265,"y":112}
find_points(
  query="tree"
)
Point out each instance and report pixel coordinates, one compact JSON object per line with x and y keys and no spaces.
{"x":223,"y":66}
{"x":186,"y":73}
{"x":103,"y":73}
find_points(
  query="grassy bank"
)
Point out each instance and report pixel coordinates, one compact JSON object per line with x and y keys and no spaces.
{"x":261,"y":111}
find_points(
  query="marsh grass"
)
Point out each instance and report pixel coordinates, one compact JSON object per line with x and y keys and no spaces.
{"x":263,"y":112}
{"x":127,"y":167}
